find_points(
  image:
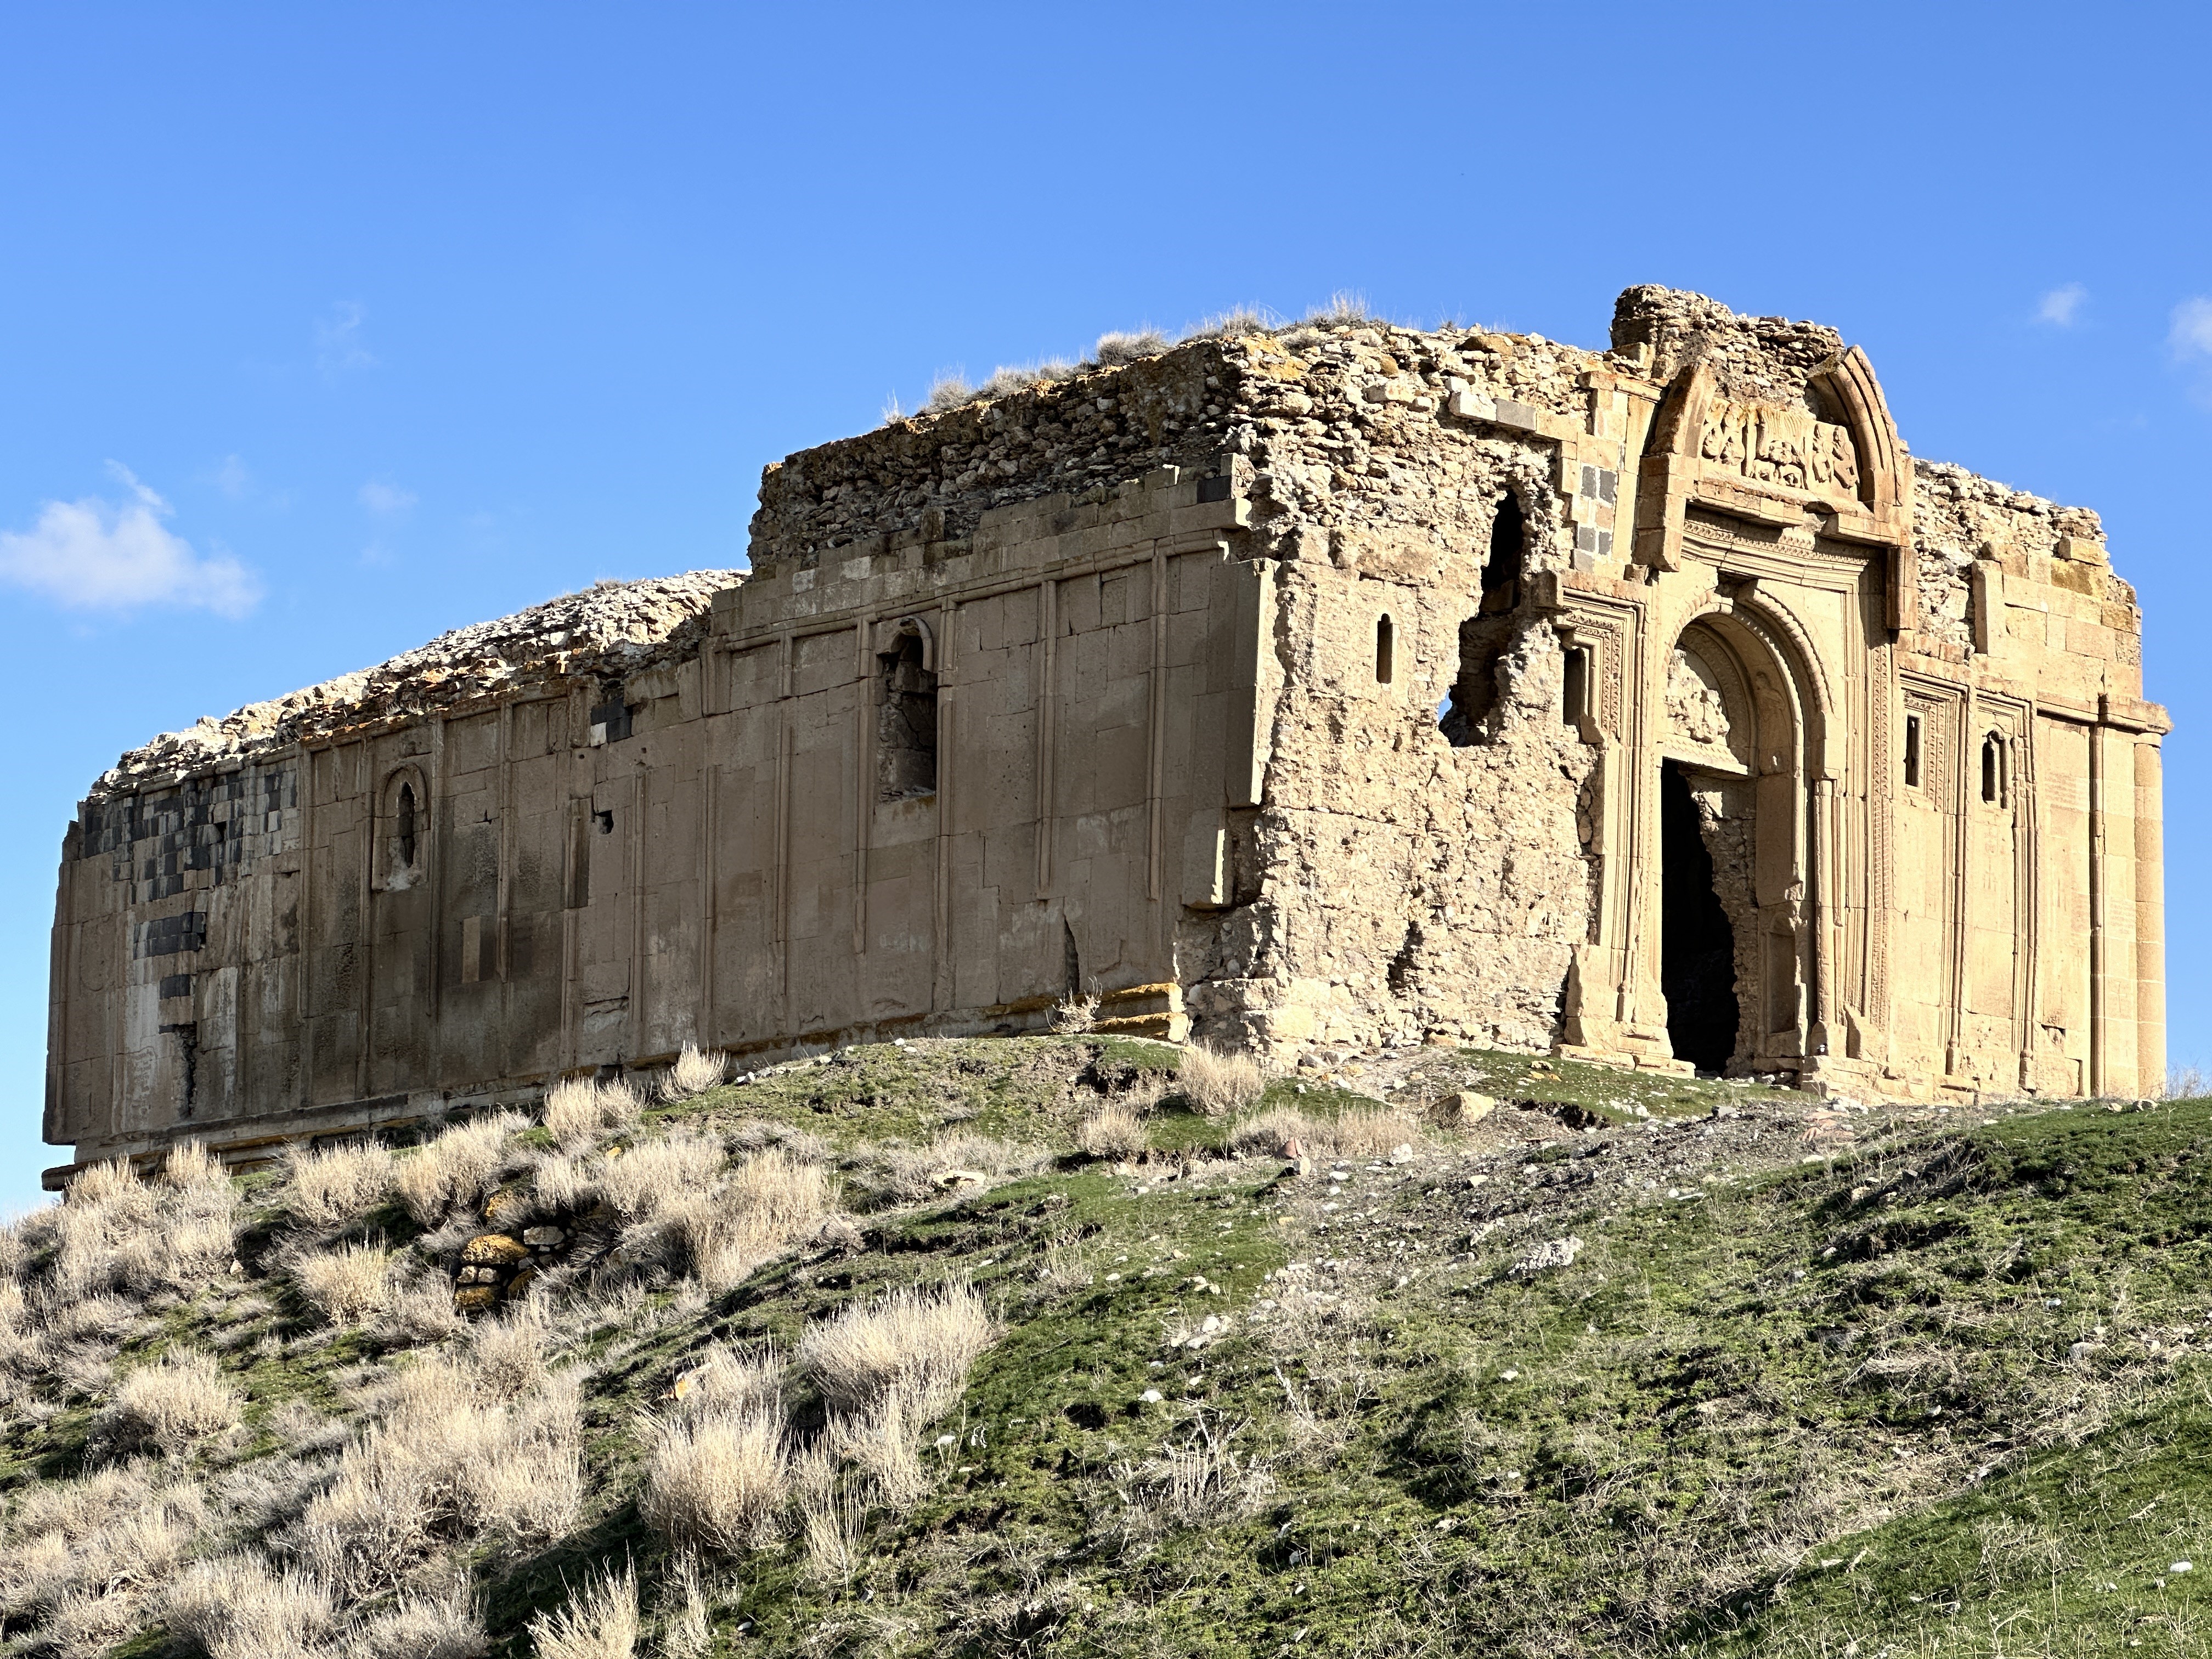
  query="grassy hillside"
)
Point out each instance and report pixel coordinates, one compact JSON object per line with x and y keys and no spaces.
{"x":1039,"y":1346}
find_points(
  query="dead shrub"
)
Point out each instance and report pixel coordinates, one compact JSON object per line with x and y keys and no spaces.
{"x":442,"y":1626}
{"x":328,"y":1188}
{"x":111,"y":1531}
{"x":442,"y":1465}
{"x":559,"y":1185}
{"x":600,"y":1622}
{"x":719,"y":1478}
{"x":346,"y":1286}
{"x":1114,"y":1130}
{"x":88,"y":1623}
{"x":1074,"y":1015}
{"x":653,"y":1174}
{"x":171,"y":1405}
{"x":1216,"y":1083}
{"x":509,"y":1353}
{"x":719,"y":1237}
{"x":234,"y":1608}
{"x":781,"y":1197}
{"x":913,"y":1344}
{"x":694,"y":1073}
{"x":1201,"y":1482}
{"x":422,"y":1312}
{"x":580,"y":1109}
{"x":459,"y":1167}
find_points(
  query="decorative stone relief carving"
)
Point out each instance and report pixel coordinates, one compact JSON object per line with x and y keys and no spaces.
{"x":1784,"y":447}
{"x":1694,"y":702}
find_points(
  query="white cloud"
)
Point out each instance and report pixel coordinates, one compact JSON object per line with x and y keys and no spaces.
{"x":337,"y":339}
{"x":379,"y":496}
{"x":2190,"y":335}
{"x":2060,"y":307}
{"x":91,"y":554}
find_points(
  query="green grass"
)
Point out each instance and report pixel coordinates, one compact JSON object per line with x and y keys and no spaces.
{"x":1812,"y":1405}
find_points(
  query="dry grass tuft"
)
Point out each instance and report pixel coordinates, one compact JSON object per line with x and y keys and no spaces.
{"x":1218,"y":1084}
{"x":720,"y":1235}
{"x":110,"y":1186}
{"x":327,"y":1188}
{"x":1114,"y":1130}
{"x":459,"y":1167}
{"x":831,"y":1519}
{"x":653,"y":1176}
{"x":1233,"y":324}
{"x":694,"y":1073}
{"x":443,"y":1462}
{"x":171,"y":1405}
{"x":914,"y":1345}
{"x":1355,"y":1135}
{"x":508,"y":1354}
{"x":1116,"y":348}
{"x":442,"y":1626}
{"x":234,"y":1608}
{"x":907,"y":1173}
{"x":346,"y":1286}
{"x":600,"y":1622}
{"x":579,"y":1110}
{"x":719,"y":1478}
{"x":192,"y":1168}
{"x":1375,"y":1133}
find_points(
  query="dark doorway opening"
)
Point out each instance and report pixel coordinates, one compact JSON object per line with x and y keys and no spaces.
{"x":1697,"y":946}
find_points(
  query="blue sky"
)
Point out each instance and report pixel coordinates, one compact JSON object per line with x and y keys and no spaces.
{"x":324,"y":330}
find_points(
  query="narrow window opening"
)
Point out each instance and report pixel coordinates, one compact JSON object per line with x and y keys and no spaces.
{"x":405,"y":817}
{"x":1574,"y":700}
{"x":1912,"y":751}
{"x":1384,"y":652}
{"x":906,"y":724}
{"x":1501,"y":571}
{"x":1992,"y":770}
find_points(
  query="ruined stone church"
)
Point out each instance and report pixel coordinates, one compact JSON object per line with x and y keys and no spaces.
{"x":1339,"y":684}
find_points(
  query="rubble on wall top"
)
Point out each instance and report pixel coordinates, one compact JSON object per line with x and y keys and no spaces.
{"x":1755,"y":359}
{"x":608,"y":629}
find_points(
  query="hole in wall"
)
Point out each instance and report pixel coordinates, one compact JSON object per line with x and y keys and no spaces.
{"x":1501,"y":571}
{"x":1385,"y":651}
{"x":1697,"y":946}
{"x":1912,"y":751}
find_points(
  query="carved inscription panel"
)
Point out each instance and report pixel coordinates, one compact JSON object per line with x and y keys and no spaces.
{"x":1784,"y":447}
